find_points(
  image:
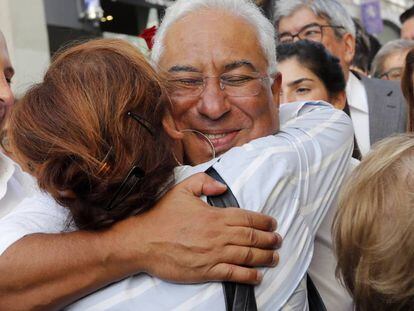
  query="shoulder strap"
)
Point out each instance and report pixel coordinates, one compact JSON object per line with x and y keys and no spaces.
{"x":315,"y":300}
{"x":238,"y":297}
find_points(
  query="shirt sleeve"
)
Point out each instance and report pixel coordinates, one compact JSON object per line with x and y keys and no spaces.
{"x":36,"y":214}
{"x":305,"y":162}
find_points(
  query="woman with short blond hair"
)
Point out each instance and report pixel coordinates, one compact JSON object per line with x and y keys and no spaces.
{"x":374,"y":228}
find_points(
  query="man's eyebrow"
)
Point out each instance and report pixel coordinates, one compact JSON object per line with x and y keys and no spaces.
{"x":185,"y":68}
{"x":298,"y":81}
{"x":238,"y":64}
{"x":309,"y":25}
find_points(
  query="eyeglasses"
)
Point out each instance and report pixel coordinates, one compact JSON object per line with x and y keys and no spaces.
{"x":235,"y":85}
{"x":142,"y":122}
{"x":312,"y":32}
{"x":134,"y":175}
{"x":392,"y":74}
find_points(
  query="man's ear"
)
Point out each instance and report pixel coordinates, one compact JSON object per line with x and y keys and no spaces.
{"x":349,"y":47}
{"x":276,"y":88}
{"x":170,"y":127}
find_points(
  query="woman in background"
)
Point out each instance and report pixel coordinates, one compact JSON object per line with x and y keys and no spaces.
{"x":374,"y":228}
{"x":407,"y":85}
{"x":310,"y":72}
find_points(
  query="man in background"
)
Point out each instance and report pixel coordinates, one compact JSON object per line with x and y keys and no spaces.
{"x":376,"y":107}
{"x":15,"y":185}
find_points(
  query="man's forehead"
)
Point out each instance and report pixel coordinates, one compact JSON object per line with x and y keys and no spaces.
{"x":222,"y":43}
{"x":227,"y":66}
{"x":300,"y":18}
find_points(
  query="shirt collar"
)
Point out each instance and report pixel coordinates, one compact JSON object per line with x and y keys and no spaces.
{"x":356,"y":94}
{"x":10,"y":169}
{"x":7,"y":168}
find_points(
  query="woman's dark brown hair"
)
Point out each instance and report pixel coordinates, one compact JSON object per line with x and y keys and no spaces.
{"x":73,"y":131}
{"x":407,"y":85}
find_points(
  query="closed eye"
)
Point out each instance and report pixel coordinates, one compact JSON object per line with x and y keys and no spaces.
{"x":189,"y":82}
{"x":236,"y":80}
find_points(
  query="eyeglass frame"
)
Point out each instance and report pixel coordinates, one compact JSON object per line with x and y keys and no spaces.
{"x":297,"y":35}
{"x":222,"y":85}
{"x":387,"y":73}
{"x":135,"y":170}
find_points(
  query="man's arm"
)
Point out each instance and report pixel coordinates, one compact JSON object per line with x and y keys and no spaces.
{"x":174,"y":241}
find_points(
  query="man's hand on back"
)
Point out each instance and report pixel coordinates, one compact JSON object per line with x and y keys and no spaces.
{"x":183,"y":239}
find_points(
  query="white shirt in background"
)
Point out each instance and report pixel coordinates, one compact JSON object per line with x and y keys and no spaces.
{"x":323,"y":265}
{"x":358,"y":108}
{"x":15,"y":185}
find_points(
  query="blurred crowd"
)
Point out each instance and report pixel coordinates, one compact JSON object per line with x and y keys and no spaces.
{"x":110,"y":165}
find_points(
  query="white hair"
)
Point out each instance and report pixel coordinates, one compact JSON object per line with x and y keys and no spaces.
{"x":332,"y":10}
{"x":245,"y":9}
{"x":394,"y":46}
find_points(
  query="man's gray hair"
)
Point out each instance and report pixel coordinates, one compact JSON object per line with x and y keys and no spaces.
{"x":245,"y":9}
{"x":332,"y":10}
{"x":391,"y":47}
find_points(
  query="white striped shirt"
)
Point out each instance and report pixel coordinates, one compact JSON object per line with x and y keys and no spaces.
{"x":293,"y":176}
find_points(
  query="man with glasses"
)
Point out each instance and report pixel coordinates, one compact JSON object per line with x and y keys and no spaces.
{"x":47,"y":271}
{"x":375,"y":106}
{"x":227,"y":88}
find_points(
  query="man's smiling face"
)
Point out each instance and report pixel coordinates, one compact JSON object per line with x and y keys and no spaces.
{"x":215,"y":44}
{"x":6,"y":74}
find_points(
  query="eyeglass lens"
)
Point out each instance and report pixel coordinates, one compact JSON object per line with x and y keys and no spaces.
{"x":310,"y":32}
{"x":231,"y":85}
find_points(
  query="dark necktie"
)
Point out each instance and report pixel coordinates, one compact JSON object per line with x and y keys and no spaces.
{"x":238,"y":297}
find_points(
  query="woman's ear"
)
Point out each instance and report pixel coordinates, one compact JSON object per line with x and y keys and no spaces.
{"x":170,"y":127}
{"x":339,"y":100}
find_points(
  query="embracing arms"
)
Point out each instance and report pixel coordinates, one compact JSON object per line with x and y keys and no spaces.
{"x":174,"y":241}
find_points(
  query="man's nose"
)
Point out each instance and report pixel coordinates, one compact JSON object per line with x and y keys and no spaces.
{"x":6,"y":95}
{"x":213,"y":103}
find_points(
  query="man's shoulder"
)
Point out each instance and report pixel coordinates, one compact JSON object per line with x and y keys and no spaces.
{"x":290,"y":111}
{"x":382,"y":87}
